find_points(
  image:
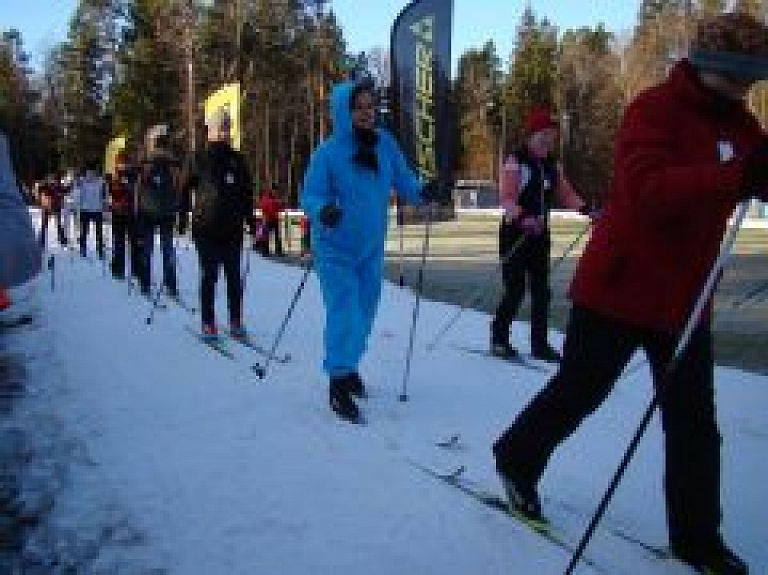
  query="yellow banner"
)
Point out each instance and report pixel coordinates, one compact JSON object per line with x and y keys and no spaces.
{"x":226,"y":98}
{"x":113,"y":148}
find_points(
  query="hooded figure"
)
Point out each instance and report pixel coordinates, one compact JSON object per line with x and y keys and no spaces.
{"x":20,"y":253}
{"x":346,"y":196}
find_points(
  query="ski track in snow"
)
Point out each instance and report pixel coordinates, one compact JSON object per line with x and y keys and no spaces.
{"x":219,"y":472}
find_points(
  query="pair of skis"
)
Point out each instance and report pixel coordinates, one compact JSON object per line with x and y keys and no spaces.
{"x":221,"y":344}
{"x":517,"y":359}
{"x":456,"y":478}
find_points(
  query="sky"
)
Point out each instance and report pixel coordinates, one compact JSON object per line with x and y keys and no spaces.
{"x":44,"y":22}
{"x":162,"y":456}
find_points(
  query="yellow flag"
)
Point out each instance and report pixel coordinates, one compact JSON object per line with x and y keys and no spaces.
{"x":226,"y":98}
{"x":114,"y":146}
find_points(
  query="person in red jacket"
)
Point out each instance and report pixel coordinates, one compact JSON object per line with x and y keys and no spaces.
{"x":122,"y":203}
{"x":531,"y":183}
{"x":687,"y":152}
{"x":270,"y":206}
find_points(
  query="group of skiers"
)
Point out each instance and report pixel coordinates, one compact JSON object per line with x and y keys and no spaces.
{"x":687,"y":152}
{"x":153,"y":196}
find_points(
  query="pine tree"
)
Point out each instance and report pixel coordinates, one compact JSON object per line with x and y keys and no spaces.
{"x":477,"y":93}
{"x":533,"y":67}
{"x":590,"y":104}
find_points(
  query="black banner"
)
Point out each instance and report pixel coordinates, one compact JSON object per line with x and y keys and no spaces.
{"x":421,"y":89}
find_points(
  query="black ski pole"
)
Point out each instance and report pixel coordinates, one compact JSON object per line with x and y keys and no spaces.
{"x":155,"y":304}
{"x":419,"y":288}
{"x":244,"y":278}
{"x":570,"y":247}
{"x":476,"y":297}
{"x":51,"y":266}
{"x":399,"y":215}
{"x":261,"y":371}
{"x":754,"y":293}
{"x":693,"y":320}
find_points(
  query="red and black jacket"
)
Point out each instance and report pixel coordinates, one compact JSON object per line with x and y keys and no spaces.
{"x":122,"y":191}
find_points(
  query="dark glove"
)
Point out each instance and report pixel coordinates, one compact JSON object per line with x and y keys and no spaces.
{"x":754,"y":178}
{"x":592,"y":214}
{"x":531,"y":225}
{"x":183,"y":223}
{"x":330,"y":215}
{"x":430,"y":191}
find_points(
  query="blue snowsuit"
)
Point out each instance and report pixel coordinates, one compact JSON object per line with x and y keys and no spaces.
{"x":349,"y":259}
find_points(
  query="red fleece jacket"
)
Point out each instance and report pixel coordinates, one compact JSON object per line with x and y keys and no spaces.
{"x":677,"y":177}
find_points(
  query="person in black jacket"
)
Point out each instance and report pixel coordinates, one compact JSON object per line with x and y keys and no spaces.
{"x":157,"y":206}
{"x":222,"y":187}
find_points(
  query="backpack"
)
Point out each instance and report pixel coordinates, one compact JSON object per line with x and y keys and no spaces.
{"x":158,"y":195}
{"x":220,"y":205}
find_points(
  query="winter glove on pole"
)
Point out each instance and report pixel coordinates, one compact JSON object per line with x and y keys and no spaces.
{"x":593,"y":215}
{"x":330,"y":215}
{"x":755,"y":174}
{"x":531,"y":225}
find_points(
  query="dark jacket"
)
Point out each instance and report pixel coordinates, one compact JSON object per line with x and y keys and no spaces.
{"x":672,"y":193}
{"x":158,"y":186}
{"x":223,"y":194}
{"x":122,"y":191}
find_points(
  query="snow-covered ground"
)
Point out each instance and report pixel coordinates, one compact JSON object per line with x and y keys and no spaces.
{"x":170,"y":458}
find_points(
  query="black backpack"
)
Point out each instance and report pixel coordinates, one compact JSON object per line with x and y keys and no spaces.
{"x":158,"y":195}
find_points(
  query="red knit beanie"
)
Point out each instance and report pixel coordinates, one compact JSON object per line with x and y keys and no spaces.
{"x":538,"y":119}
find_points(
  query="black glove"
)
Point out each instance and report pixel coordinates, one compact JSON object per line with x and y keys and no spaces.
{"x":754,"y":178}
{"x":430,"y":191}
{"x":330,"y":215}
{"x":592,"y":214}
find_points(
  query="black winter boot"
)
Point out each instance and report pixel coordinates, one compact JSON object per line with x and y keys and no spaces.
{"x":500,"y":343}
{"x":340,"y":398}
{"x":712,"y":559}
{"x":357,"y":387}
{"x":522,"y":496}
{"x":545,"y":352}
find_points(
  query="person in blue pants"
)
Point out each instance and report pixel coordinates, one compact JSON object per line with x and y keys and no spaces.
{"x":346,"y":196}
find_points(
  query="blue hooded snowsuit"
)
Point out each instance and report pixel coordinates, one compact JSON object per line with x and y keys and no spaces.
{"x":349,"y":259}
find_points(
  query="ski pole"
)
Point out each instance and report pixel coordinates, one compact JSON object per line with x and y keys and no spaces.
{"x":401,"y":233}
{"x":261,"y":371}
{"x":754,"y":293}
{"x":476,"y":297}
{"x":419,"y":288}
{"x":51,"y":269}
{"x":693,"y":320}
{"x":244,"y":277}
{"x":155,"y":304}
{"x":570,"y":247}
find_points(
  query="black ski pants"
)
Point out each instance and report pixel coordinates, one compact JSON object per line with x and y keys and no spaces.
{"x":86,"y":218}
{"x":523,"y":262}
{"x":214,"y":255}
{"x":124,"y":232}
{"x":596,"y":351}
{"x":146,"y":227}
{"x":46,"y":216}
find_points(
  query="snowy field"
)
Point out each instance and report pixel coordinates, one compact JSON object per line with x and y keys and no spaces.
{"x":170,"y":458}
